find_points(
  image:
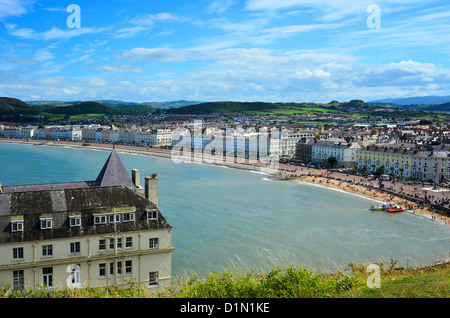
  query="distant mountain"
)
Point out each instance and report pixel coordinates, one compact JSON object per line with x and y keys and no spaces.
{"x":227,"y":107}
{"x":81,"y":108}
{"x":418,"y":100}
{"x":114,"y":103}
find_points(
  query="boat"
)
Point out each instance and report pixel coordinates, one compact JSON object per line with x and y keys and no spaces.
{"x":382,"y":207}
{"x":378,"y":207}
{"x":395,"y":209}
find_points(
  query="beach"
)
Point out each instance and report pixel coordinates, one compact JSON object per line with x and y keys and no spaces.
{"x":362,"y":186}
{"x":351,"y":184}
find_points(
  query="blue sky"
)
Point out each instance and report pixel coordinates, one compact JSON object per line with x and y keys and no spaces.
{"x":207,"y":50}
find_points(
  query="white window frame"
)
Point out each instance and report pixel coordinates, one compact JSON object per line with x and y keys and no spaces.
{"x":47,"y":250}
{"x":75,"y":247}
{"x":128,"y":217}
{"x":17,"y":226}
{"x":75,"y":220}
{"x":153,"y":243}
{"x":100,"y":219}
{"x":46,"y":222}
{"x":114,"y":218}
{"x":152,"y":215}
{"x":18,"y":253}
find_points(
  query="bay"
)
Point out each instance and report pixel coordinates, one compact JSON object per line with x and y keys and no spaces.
{"x":229,"y":219}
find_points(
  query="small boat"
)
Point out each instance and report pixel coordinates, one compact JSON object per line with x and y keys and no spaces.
{"x":378,"y":207}
{"x":395,"y":209}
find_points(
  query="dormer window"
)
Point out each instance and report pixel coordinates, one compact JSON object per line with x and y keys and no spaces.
{"x":152,"y":214}
{"x":46,"y":222}
{"x":17,"y":224}
{"x":75,"y":220}
{"x":128,"y":217}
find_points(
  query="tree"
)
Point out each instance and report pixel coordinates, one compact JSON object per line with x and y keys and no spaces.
{"x":332,"y":161}
{"x":380,"y":170}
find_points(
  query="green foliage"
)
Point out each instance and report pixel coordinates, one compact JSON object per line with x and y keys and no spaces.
{"x":291,"y":282}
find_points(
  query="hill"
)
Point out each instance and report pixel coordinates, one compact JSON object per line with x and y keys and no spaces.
{"x":113,"y":103}
{"x":417,"y":100}
{"x":231,"y":107}
{"x":81,"y":108}
{"x":13,"y":109}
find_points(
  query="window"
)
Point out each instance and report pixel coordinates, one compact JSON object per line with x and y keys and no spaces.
{"x":119,"y":268}
{"x":153,"y":278}
{"x":114,"y":218}
{"x":99,"y":219}
{"x":111,"y":268}
{"x":152,"y":214}
{"x":47,"y":250}
{"x":102,"y":269}
{"x":119,"y":242}
{"x":75,"y":247}
{"x":18,"y":253}
{"x":46,"y":222}
{"x":18,"y":280}
{"x":128,"y":217}
{"x":153,"y":243}
{"x":129,"y":241}
{"x":128,"y":267}
{"x":102,"y":245}
{"x":111,"y":244}
{"x":75,"y":221}
{"x":16,"y":226}
{"x":47,"y":276}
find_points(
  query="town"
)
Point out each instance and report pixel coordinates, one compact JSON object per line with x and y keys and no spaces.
{"x":407,"y":150}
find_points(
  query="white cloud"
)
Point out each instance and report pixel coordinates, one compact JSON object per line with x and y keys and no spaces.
{"x":14,"y":8}
{"x":247,"y":75}
{"x":162,"y":55}
{"x":220,"y":6}
{"x":52,"y":34}
{"x":119,"y":68}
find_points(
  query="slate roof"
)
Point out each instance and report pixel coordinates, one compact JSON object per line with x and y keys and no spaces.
{"x":114,"y":173}
{"x":81,"y":199}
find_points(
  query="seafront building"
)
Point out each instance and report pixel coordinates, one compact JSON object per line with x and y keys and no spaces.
{"x":104,"y":232}
{"x":389,"y":159}
{"x":343,"y":152}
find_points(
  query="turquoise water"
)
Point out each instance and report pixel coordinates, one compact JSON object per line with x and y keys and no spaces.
{"x":226,"y":219}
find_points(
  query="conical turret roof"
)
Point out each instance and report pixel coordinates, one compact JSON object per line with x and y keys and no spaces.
{"x":114,"y":173}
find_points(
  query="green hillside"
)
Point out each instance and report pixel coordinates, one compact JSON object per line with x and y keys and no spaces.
{"x":230,"y":107}
{"x":13,"y":109}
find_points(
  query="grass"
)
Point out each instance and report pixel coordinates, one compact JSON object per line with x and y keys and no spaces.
{"x":290,"y":282}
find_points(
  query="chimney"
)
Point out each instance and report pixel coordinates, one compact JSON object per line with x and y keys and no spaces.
{"x":135,"y":177}
{"x":151,"y":188}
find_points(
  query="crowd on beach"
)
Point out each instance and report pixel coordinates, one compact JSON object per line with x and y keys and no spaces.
{"x":415,"y":198}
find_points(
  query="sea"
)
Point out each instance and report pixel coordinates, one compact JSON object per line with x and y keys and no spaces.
{"x":231,"y":219}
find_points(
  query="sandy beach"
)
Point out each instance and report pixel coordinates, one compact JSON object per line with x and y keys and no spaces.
{"x":352,"y":184}
{"x":349,"y":183}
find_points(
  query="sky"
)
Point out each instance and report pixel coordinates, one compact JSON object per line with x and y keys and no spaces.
{"x":229,"y":50}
